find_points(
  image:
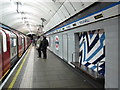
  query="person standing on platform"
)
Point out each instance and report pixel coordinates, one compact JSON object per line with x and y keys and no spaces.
{"x":35,"y":41}
{"x":44,"y":45}
{"x":38,"y":47}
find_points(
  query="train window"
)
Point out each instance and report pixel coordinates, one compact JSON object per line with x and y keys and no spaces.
{"x":22,"y":40}
{"x":4,"y":41}
{"x":13,"y":42}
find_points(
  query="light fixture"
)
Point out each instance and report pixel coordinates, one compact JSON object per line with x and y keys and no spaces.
{"x":18,"y":4}
{"x":43,"y":20}
{"x":54,"y":0}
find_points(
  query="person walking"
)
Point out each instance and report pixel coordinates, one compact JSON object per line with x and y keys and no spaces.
{"x":44,"y":45}
{"x":38,"y":46}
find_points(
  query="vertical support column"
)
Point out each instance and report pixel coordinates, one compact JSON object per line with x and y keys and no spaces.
{"x":118,"y":51}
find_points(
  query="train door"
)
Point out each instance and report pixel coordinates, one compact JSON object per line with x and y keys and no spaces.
{"x":24,"y":42}
{"x":1,"y":66}
{"x":22,"y":37}
{"x":6,"y":51}
{"x":65,"y":47}
{"x":13,"y":48}
{"x":20,"y":45}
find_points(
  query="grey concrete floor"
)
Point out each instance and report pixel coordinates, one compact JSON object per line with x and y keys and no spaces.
{"x":54,"y":73}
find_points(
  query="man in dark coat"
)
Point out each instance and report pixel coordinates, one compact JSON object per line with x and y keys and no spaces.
{"x":38,"y":46}
{"x":44,"y":45}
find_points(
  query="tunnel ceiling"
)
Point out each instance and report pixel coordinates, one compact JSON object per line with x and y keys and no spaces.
{"x":29,"y":15}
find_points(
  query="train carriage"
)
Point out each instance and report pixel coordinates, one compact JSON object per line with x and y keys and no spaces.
{"x":12,"y":46}
{"x":1,"y":67}
{"x":5,"y":52}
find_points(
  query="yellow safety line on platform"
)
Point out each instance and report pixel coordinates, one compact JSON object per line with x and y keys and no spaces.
{"x":18,"y":71}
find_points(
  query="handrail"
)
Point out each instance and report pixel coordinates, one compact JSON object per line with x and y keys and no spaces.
{"x":98,"y":66}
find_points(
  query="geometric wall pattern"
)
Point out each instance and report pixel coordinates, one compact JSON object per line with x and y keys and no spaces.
{"x":92,"y":50}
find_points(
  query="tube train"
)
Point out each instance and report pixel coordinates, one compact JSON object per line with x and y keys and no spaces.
{"x":12,"y":45}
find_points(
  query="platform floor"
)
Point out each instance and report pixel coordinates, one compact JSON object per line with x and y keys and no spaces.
{"x":47,"y":73}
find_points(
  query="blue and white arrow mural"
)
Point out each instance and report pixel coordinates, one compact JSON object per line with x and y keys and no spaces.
{"x":92,"y":50}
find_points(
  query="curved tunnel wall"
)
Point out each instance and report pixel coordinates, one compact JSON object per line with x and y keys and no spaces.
{"x":110,"y":27}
